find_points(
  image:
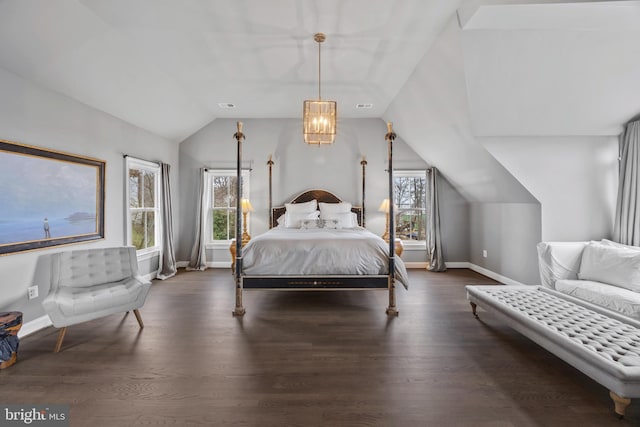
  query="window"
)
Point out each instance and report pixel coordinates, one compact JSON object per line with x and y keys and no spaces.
{"x":143,"y":211}
{"x":222,"y":184}
{"x":410,"y":199}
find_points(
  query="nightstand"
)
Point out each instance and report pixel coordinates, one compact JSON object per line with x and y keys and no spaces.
{"x":232,"y":250}
{"x":398,"y":246}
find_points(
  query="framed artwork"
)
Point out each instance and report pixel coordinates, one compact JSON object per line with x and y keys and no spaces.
{"x":48,"y":198}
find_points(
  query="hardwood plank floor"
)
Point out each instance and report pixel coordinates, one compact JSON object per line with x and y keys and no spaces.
{"x":306,"y":359}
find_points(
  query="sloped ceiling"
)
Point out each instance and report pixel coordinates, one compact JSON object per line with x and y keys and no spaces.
{"x":553,"y":69}
{"x":164,"y":65}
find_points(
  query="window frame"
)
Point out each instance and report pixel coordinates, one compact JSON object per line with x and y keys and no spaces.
{"x":143,"y":165}
{"x":413,"y":173}
{"x":210,"y":175}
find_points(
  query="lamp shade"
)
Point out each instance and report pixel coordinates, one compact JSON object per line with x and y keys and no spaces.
{"x":246,"y":205}
{"x":384,"y":206}
{"x":319,"y":122}
{"x":318,"y":116}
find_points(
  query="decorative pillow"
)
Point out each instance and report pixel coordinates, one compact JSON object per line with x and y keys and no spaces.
{"x":310,"y":224}
{"x":309,"y":206}
{"x":345,"y":219}
{"x":294,"y":220}
{"x":613,"y":265}
{"x":329,"y":208}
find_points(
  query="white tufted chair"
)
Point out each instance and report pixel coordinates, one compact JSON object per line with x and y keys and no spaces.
{"x":91,"y":283}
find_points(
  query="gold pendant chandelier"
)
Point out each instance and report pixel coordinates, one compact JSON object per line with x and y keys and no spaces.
{"x":319,"y":117}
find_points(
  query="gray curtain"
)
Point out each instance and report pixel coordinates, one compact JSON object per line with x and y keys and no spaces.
{"x":434,"y":240}
{"x":627,"y":224}
{"x":168,"y":259}
{"x":198,"y":260}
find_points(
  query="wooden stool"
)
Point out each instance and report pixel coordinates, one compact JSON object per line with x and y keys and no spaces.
{"x":10,"y":324}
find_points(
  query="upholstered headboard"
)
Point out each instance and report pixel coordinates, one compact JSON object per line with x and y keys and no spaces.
{"x":321,"y":196}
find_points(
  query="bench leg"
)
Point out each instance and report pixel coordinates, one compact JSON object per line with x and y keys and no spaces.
{"x":620,"y":403}
{"x":474,"y":307}
{"x":138,"y":318}
{"x":60,"y":339}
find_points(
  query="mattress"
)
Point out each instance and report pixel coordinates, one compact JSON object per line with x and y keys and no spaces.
{"x":321,"y":252}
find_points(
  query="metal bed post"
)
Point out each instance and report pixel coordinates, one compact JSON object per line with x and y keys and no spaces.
{"x":270,"y":164}
{"x":364,"y":164}
{"x":391,"y":310}
{"x":239,"y":309}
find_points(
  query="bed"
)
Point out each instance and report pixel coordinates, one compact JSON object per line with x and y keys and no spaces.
{"x":317,"y":242}
{"x":318,"y":252}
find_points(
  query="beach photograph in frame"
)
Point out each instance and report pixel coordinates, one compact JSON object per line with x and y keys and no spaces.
{"x":48,"y":198}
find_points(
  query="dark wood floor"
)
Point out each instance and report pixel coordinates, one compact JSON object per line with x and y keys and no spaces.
{"x":306,"y":359}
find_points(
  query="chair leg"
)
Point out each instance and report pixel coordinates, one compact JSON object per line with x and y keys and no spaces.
{"x":138,"y":318}
{"x":60,"y":339}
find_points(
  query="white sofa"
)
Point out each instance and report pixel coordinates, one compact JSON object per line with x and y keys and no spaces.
{"x":91,"y":283}
{"x":604,"y":273}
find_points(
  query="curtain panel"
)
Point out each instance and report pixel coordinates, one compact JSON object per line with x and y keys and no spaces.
{"x":626,"y":229}
{"x":198,"y":260}
{"x":434,"y":239}
{"x":168,"y":258}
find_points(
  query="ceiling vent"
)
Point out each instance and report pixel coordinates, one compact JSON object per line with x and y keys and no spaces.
{"x":226,"y":105}
{"x":364,"y":106}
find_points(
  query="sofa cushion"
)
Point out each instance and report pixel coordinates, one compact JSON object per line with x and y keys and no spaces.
{"x":118,"y":297}
{"x":559,"y":260}
{"x":612,"y":297}
{"x":612,"y":265}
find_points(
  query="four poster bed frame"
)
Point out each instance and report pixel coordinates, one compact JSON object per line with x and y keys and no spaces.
{"x":313,"y":282}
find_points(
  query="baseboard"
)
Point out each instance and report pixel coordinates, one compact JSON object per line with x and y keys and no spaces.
{"x":410,"y":264}
{"x":219,"y":264}
{"x":34,"y":326}
{"x":457,"y":264}
{"x":210,"y":264}
{"x":495,"y":276}
{"x":150,"y":276}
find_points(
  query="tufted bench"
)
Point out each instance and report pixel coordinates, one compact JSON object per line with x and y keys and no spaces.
{"x":92,"y":283}
{"x":602,"y":344}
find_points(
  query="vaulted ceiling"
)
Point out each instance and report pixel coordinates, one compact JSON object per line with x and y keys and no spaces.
{"x":165,"y":65}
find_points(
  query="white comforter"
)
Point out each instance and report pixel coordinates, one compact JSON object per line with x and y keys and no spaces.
{"x":300,"y":252}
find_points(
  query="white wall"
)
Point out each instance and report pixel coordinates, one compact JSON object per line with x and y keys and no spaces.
{"x":574,"y":178}
{"x":521,"y":189}
{"x":299,"y":167}
{"x":35,"y":116}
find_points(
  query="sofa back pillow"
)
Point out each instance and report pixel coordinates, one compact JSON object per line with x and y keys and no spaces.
{"x":559,"y":260}
{"x":612,"y":265}
{"x":607,"y":242}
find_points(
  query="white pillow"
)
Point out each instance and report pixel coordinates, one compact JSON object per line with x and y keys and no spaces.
{"x":345,"y":219}
{"x":294,"y":219}
{"x":280,"y":220}
{"x":612,"y":265}
{"x":310,"y":224}
{"x":329,"y":208}
{"x":309,"y":206}
{"x":619,"y":245}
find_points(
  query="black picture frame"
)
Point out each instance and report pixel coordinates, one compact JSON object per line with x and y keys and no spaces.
{"x":48,"y":198}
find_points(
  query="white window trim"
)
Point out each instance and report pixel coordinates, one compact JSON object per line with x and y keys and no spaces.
{"x":133,"y":163}
{"x":224,"y":244}
{"x":413,"y":245}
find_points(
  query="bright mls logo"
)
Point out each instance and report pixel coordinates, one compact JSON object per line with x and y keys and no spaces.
{"x":37,"y":415}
